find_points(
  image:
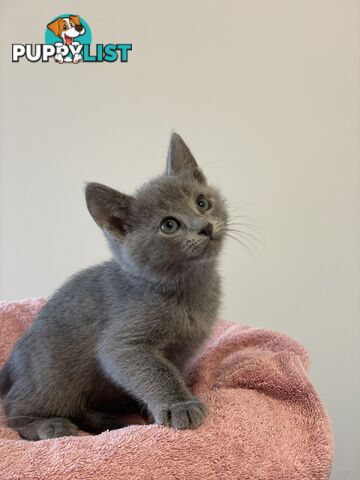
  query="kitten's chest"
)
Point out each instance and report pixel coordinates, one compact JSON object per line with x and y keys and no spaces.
{"x":189,"y":327}
{"x":194,"y":314}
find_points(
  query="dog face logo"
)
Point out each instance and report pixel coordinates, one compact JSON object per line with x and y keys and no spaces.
{"x":68,"y":29}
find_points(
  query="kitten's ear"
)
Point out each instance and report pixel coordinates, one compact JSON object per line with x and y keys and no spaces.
{"x":180,"y":160}
{"x":109,"y":208}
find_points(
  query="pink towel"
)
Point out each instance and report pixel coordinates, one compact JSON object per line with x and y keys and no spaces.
{"x":266,"y":421}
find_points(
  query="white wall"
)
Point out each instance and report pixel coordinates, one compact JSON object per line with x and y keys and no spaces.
{"x":267,"y":95}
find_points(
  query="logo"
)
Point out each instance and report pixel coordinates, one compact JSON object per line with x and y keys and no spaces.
{"x":68,"y":40}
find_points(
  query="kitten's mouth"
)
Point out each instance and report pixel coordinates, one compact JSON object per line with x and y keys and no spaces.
{"x":215,"y":239}
{"x":211,"y":248}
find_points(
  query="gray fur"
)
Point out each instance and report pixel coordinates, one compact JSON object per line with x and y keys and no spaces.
{"x":116,"y":337}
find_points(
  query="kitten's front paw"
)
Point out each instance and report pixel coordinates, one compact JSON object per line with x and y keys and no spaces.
{"x":188,"y":414}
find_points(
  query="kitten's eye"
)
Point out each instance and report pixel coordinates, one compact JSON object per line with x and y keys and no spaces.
{"x":169,"y":225}
{"x":202,"y":203}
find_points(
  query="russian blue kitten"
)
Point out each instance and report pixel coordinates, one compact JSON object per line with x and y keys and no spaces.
{"x":116,"y":337}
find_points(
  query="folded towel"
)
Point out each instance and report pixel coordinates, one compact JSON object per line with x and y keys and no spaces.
{"x":266,"y":421}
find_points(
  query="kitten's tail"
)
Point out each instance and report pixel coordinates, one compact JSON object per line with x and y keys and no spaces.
{"x":5,"y":381}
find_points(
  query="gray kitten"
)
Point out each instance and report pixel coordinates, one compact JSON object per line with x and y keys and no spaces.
{"x":116,"y":337}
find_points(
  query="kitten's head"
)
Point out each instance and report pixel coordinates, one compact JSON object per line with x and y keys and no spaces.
{"x":170,"y":224}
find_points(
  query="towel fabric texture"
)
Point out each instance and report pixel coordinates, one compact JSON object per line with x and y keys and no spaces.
{"x":266,"y":421}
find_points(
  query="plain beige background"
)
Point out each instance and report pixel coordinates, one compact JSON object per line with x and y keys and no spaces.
{"x":267,"y":95}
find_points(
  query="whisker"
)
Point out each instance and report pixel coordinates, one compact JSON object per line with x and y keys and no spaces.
{"x":234,"y":217}
{"x":245,"y":220}
{"x":249,"y":234}
{"x":249,"y":225}
{"x":249,"y":240}
{"x":241,"y":243}
{"x":239,"y":207}
{"x":245,"y":225}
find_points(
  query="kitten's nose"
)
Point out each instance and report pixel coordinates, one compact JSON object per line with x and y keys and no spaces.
{"x":207,"y":230}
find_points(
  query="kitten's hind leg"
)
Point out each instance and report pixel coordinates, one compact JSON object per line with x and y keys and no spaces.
{"x":39,"y":428}
{"x":55,"y":427}
{"x":96,"y":422}
{"x":32,"y":426}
